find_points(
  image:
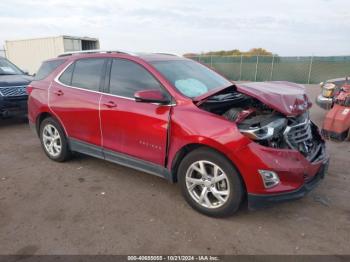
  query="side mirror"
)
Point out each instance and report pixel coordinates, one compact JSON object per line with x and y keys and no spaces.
{"x":151,"y":96}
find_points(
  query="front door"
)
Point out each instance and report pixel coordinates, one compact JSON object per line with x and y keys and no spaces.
{"x":132,"y":128}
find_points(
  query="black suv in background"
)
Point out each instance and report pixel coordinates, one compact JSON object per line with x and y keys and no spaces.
{"x":13,"y":83}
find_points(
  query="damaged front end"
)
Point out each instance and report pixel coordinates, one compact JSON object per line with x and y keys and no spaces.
{"x":285,"y":126}
{"x":287,"y":158}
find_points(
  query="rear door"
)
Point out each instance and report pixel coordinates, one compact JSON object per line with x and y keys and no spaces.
{"x":129,"y":127}
{"x":74,"y":98}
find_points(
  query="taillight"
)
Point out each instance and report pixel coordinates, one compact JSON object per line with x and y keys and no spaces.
{"x":29,"y":89}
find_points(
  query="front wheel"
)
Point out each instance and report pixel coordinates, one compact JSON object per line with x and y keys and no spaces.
{"x":53,"y":140}
{"x":210,"y":183}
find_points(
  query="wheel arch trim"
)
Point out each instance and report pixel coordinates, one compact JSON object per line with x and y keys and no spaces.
{"x":186,"y":149}
{"x":43,"y":115}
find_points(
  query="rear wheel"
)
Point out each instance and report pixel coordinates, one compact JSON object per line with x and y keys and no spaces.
{"x":53,"y":140}
{"x":210,"y":183}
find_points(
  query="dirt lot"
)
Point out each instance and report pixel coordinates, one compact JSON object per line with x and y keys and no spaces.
{"x":88,"y":206}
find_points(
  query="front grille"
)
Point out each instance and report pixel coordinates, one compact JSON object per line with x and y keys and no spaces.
{"x":13,"y":91}
{"x":297,"y":134}
{"x":301,"y":135}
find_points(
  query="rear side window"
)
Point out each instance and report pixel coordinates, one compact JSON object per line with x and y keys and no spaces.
{"x":47,"y":68}
{"x":66,"y":77}
{"x":87,"y":73}
{"x":128,"y":77}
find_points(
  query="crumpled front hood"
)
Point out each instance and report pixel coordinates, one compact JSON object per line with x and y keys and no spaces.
{"x":288,"y":98}
{"x":14,"y":80}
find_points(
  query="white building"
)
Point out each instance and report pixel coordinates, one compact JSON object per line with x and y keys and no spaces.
{"x":28,"y":54}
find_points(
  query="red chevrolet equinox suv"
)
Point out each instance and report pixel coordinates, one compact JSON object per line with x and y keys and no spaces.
{"x":178,"y":119}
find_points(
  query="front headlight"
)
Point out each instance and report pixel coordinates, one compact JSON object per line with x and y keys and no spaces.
{"x":265,"y":132}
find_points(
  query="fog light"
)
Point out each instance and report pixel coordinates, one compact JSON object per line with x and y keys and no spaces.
{"x":270,"y":178}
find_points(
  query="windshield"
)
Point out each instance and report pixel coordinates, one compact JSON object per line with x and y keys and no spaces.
{"x":190,"y":78}
{"x":7,"y":68}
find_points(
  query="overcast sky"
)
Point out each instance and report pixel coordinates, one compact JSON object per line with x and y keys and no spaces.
{"x":284,"y":27}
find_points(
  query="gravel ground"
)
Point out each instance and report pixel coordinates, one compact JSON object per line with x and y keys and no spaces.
{"x":89,"y":206}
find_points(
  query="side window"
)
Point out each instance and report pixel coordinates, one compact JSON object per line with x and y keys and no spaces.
{"x":128,"y":77}
{"x":47,"y":68}
{"x":66,"y":77}
{"x":87,"y":73}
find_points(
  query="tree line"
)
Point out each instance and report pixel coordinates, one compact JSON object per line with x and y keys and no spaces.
{"x":233,"y":52}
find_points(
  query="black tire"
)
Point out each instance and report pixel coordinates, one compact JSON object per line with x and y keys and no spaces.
{"x":65,"y":152}
{"x":235,"y":196}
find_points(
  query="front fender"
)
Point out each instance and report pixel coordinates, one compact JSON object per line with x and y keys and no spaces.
{"x":191,"y":125}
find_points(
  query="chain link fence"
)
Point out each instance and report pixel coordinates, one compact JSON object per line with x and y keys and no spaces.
{"x":306,"y":69}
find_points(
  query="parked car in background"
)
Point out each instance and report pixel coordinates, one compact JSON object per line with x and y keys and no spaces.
{"x":328,"y":90}
{"x":177,"y":119}
{"x":13,"y":83}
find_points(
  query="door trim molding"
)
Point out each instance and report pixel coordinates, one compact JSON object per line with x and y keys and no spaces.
{"x":85,"y":148}
{"x":119,"y":158}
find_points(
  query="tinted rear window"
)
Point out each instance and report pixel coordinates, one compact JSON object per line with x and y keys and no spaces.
{"x":47,"y":68}
{"x":88,"y":73}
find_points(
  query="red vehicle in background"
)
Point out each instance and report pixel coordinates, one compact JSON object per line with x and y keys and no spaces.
{"x":337,"y":121}
{"x":177,"y":119}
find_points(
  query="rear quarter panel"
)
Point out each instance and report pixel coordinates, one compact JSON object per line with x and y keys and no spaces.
{"x":38,"y":102}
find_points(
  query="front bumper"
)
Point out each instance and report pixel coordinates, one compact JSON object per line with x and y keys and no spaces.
{"x":11,"y":106}
{"x":256,"y":201}
{"x":324,"y":102}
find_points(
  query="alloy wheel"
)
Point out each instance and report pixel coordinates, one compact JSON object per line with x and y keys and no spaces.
{"x":52,"y":140}
{"x":207,"y":184}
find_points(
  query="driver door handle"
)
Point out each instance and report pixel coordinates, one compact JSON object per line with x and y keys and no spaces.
{"x":58,"y":92}
{"x":110,"y":104}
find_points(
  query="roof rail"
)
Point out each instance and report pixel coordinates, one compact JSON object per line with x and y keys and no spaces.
{"x":95,"y":51}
